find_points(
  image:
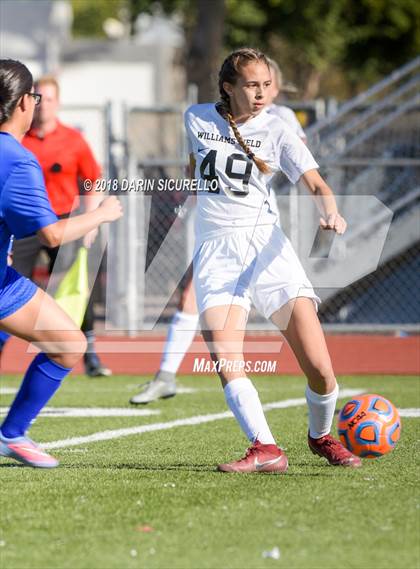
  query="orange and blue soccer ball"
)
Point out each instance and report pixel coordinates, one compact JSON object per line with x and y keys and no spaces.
{"x":369,"y":426}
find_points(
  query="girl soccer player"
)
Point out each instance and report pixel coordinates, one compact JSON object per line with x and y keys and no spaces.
{"x":242,"y":255}
{"x":183,"y":326}
{"x":25,"y":210}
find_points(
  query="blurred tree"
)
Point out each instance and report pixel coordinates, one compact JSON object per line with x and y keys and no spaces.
{"x":326,"y":47}
{"x":388,"y":35}
{"x":246,"y":21}
{"x":203,"y":22}
{"x":316,"y":33}
{"x":205,"y":46}
{"x":89,"y":16}
{"x":357,"y":41}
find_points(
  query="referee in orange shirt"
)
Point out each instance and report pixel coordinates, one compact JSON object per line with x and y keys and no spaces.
{"x":66,"y":160}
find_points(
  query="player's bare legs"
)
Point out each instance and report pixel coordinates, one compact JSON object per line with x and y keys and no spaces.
{"x":188,"y":303}
{"x":62,"y":345}
{"x":180,"y":335}
{"x":61,"y":338}
{"x":224,"y":330}
{"x":300,"y":325}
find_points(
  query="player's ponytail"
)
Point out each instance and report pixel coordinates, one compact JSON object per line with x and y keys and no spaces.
{"x":15,"y":81}
{"x":229,"y":72}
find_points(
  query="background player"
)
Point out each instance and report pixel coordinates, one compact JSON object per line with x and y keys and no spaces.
{"x":181,"y":333}
{"x":26,"y":311}
{"x":282,"y":111}
{"x":66,"y":160}
{"x":243,"y":257}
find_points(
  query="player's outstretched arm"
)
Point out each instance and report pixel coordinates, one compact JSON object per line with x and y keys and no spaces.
{"x":325,"y":200}
{"x":66,"y":230}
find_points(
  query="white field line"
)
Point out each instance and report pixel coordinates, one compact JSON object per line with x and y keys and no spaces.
{"x":409,"y":412}
{"x":188,"y":421}
{"x":180,"y":390}
{"x":91,"y":412}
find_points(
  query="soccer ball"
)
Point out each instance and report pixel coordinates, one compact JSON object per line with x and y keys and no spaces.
{"x":369,"y":426}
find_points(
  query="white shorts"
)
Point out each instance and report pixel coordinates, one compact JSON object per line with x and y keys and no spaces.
{"x":257,"y":266}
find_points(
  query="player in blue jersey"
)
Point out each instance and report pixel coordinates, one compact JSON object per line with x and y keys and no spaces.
{"x":25,"y":310}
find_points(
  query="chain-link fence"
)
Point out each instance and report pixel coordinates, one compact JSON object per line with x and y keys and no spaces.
{"x":372,"y":147}
{"x":152,"y":245}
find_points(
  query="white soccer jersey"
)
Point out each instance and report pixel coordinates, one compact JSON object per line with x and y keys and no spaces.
{"x":289,"y":117}
{"x":239,"y":193}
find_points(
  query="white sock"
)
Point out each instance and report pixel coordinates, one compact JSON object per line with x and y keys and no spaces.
{"x":321,"y":411}
{"x":244,"y":402}
{"x":179,"y":338}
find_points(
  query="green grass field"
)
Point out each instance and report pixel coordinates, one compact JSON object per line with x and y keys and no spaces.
{"x":154,"y":499}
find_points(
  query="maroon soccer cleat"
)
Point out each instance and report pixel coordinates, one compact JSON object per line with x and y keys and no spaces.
{"x":333,"y":451}
{"x":258,"y":458}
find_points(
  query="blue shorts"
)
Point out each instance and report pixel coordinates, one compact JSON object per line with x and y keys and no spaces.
{"x":15,"y":292}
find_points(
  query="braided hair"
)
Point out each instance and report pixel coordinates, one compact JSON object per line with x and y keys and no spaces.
{"x":15,"y":81}
{"x":229,"y":72}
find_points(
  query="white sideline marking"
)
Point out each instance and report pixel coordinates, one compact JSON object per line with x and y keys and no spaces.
{"x":409,"y":412}
{"x":183,"y":390}
{"x":91,"y":412}
{"x":7,"y":390}
{"x":196,"y":420}
{"x":180,"y":389}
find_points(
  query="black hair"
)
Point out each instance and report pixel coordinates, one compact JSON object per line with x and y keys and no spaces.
{"x":15,"y":81}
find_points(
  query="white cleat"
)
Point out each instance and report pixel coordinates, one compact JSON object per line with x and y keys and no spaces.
{"x":154,"y":390}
